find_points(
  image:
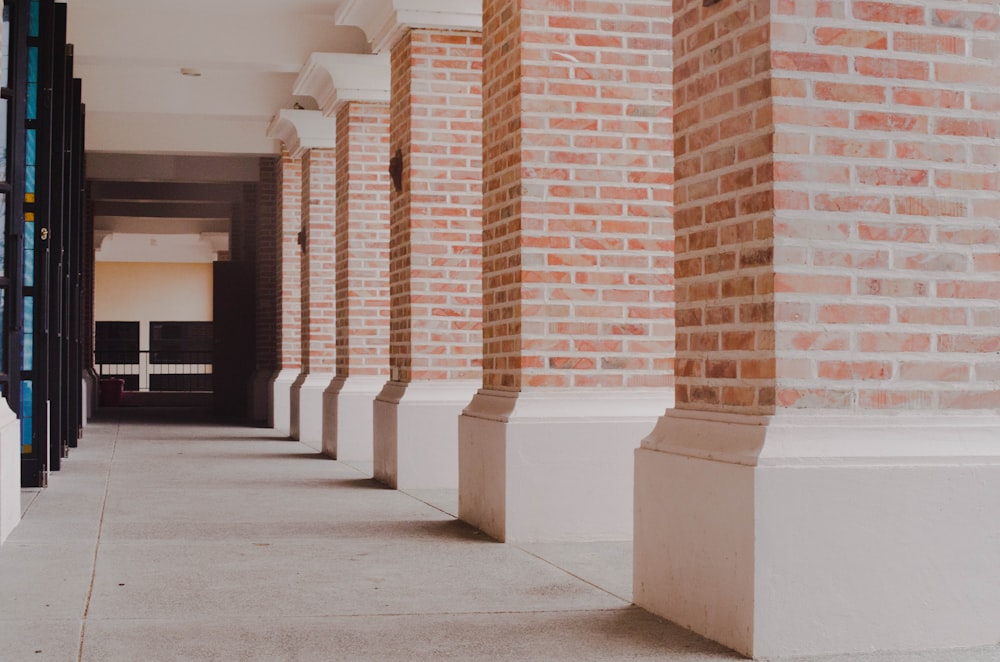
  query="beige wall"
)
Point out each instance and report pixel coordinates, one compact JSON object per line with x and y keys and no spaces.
{"x":145,"y":292}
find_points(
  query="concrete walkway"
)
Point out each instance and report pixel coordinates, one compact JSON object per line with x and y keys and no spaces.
{"x":180,"y":539}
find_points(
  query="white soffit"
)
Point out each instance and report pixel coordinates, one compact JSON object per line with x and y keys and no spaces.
{"x":385,"y":21}
{"x":336,"y":78}
{"x":302,"y":130}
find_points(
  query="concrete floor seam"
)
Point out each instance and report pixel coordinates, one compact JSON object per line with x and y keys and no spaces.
{"x":97,"y":544}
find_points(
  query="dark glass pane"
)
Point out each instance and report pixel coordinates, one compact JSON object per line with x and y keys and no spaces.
{"x":3,"y":140}
{"x":5,"y":43}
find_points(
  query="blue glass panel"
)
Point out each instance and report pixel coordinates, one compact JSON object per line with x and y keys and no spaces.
{"x":32,"y":112}
{"x":27,"y":401}
{"x":30,"y":146}
{"x":29,"y":179}
{"x":33,"y":65}
{"x":35,"y":14}
{"x":29,"y":255}
{"x":29,"y":351}
{"x":26,"y":430}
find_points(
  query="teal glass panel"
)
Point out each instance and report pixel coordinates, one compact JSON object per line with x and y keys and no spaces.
{"x":29,"y":336}
{"x":32,"y":110}
{"x":30,"y":146}
{"x":29,"y":254}
{"x":28,"y":351}
{"x":34,"y":16}
{"x":27,"y":404}
{"x":29,"y":179}
{"x":26,"y":430}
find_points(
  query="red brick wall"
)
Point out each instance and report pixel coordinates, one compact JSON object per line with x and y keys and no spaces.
{"x":289,"y":261}
{"x":889,"y":196}
{"x":319,"y":215}
{"x":436,"y":220}
{"x":577,"y":234}
{"x":879,"y":231}
{"x":723,"y":206}
{"x":266,"y":271}
{"x":363,"y":239}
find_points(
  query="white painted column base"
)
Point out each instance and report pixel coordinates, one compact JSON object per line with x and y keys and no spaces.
{"x":553,"y":465}
{"x":416,"y":433}
{"x":260,"y":396}
{"x":10,"y":471}
{"x":807,"y":535}
{"x":281,"y":399}
{"x":348,"y":417}
{"x":307,"y":408}
{"x":89,"y":393}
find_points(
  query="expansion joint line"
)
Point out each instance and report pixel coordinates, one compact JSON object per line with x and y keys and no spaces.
{"x":97,"y":546}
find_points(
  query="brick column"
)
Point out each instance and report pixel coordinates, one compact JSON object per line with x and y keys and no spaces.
{"x":577,"y":268}
{"x":312,"y":138}
{"x":266,"y":301}
{"x":435,"y":233}
{"x":354,"y":90}
{"x":319,"y":322}
{"x":828,"y":482}
{"x":288,"y":288}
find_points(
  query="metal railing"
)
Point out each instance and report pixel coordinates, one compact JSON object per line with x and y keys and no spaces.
{"x":164,"y":370}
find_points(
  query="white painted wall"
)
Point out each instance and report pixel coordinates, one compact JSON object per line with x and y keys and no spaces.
{"x":146,"y":292}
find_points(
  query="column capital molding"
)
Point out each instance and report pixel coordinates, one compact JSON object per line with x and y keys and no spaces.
{"x":385,"y":21}
{"x":333,"y":79}
{"x":302,"y":130}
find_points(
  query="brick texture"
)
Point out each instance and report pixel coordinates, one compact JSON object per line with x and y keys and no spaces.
{"x":578,"y":245}
{"x":266,"y":271}
{"x":837,"y":205}
{"x":288,"y":261}
{"x":363,"y":239}
{"x":319,"y":271}
{"x":436,"y":219}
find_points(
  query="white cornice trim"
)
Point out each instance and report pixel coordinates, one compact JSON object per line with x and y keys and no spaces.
{"x":302,"y":130}
{"x":385,"y":21}
{"x":333,"y":79}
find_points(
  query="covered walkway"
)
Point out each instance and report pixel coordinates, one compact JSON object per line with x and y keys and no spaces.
{"x":228,"y":543}
{"x":167,"y":540}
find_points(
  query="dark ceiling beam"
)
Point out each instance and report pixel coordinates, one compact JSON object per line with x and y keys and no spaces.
{"x":160,"y":209}
{"x":170,"y":191}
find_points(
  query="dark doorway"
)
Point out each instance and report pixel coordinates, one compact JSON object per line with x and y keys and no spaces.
{"x":234,"y":338}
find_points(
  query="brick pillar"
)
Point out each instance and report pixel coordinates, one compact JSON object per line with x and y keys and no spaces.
{"x":319,"y":207}
{"x":435,"y":262}
{"x":288,"y":287}
{"x":266,"y":300}
{"x":578,"y":316}
{"x":362,"y":239}
{"x":835,"y":439}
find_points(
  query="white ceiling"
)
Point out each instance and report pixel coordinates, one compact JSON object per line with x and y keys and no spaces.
{"x":150,"y":128}
{"x":130,"y":53}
